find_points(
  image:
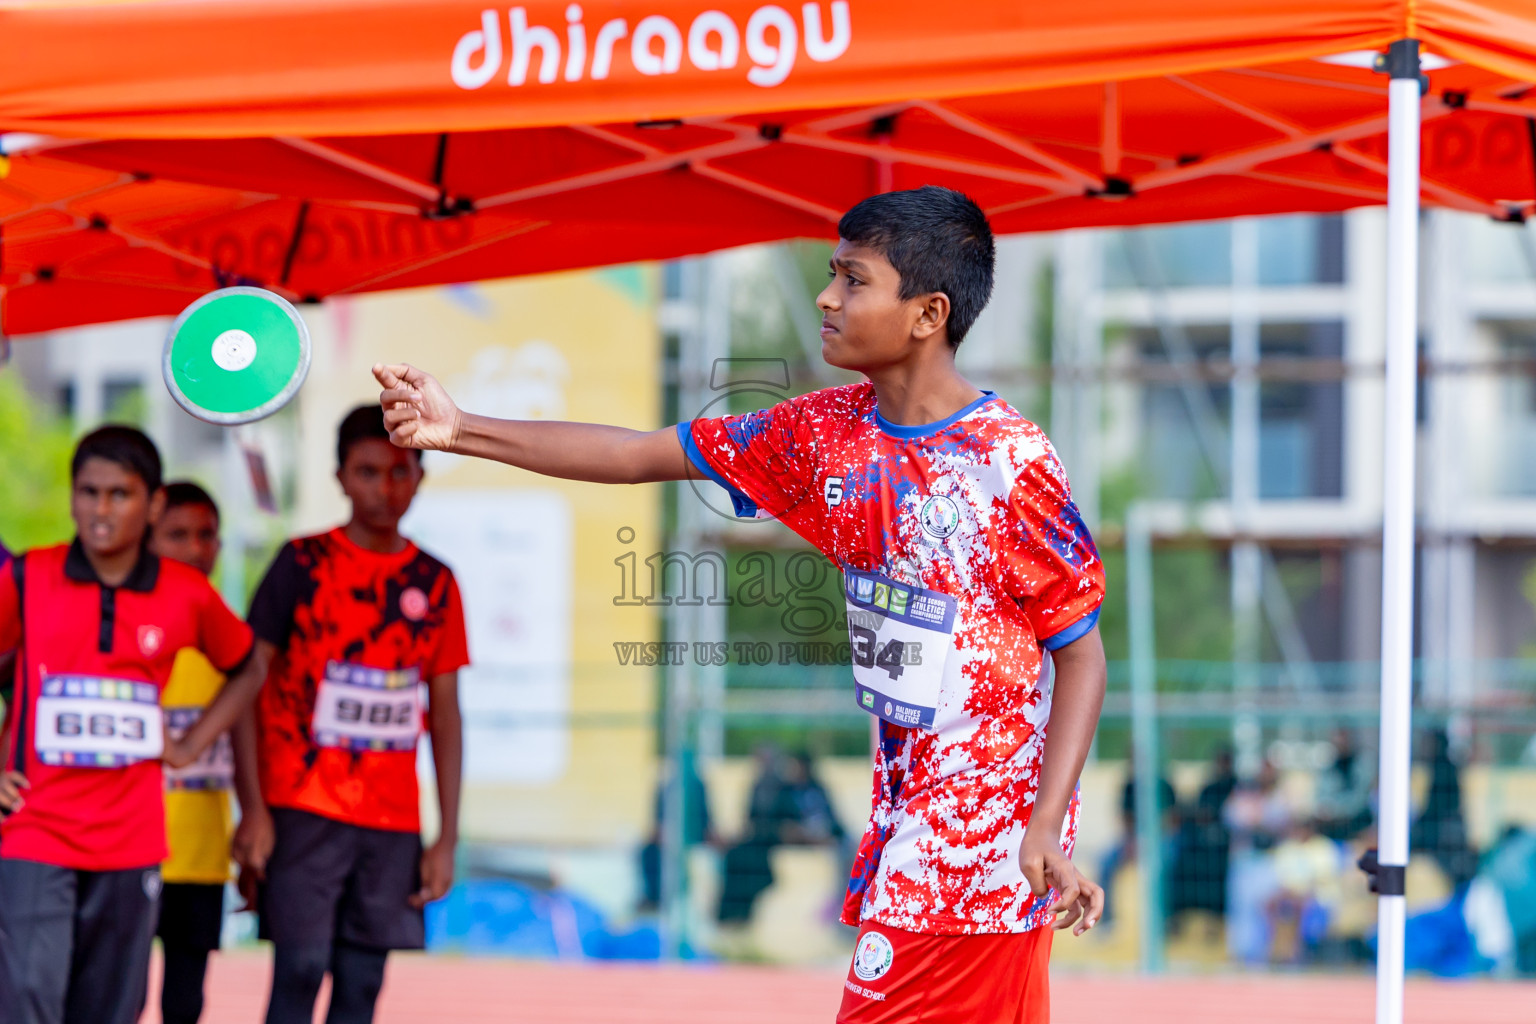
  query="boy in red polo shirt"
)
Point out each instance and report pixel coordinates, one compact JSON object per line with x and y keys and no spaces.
{"x":363,"y":625}
{"x":97,"y":625}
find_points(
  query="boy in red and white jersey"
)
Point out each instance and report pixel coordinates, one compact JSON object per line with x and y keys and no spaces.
{"x":964,"y":560}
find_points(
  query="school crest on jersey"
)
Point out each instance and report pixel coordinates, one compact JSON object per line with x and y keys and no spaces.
{"x":151,"y":639}
{"x":940,"y":516}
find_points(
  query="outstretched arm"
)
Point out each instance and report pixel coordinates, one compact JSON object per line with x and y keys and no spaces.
{"x":419,"y":414}
{"x":1076,"y":700}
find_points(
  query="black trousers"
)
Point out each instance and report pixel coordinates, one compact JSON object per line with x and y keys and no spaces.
{"x":79,"y":941}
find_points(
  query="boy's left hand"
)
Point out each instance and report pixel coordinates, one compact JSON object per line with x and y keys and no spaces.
{"x":436,"y":874}
{"x":178,"y":754}
{"x":1080,"y":902}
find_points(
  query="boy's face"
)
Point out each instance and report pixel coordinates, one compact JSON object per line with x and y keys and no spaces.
{"x":865,"y":323}
{"x":112,"y":507}
{"x":190,"y":534}
{"x":380,"y":480}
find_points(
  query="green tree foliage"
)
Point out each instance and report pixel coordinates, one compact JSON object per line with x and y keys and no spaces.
{"x":35,"y":447}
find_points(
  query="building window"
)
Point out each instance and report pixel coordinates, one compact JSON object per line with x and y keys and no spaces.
{"x":672,"y":279}
{"x":1314,"y":582}
{"x":1177,"y":256}
{"x":1173,"y":459}
{"x":1301,"y":421}
{"x":122,"y":400}
{"x":1515,"y":435}
{"x":1301,"y":250}
{"x":1494,"y":252}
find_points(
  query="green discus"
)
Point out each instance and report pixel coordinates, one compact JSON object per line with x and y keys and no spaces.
{"x":236,"y":355}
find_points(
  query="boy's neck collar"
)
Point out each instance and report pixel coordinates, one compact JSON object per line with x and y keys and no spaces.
{"x":373,"y":540}
{"x":142,"y":575}
{"x":924,"y":398}
{"x":918,"y":430}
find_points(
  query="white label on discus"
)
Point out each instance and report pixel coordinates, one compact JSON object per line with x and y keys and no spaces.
{"x":234,"y":350}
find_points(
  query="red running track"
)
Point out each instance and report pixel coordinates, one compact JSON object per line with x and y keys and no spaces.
{"x":453,"y":990}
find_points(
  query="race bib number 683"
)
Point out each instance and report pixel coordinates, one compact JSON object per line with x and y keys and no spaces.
{"x":89,"y":722}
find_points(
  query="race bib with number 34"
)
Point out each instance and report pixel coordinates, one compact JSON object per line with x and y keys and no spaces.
{"x":362,"y":708}
{"x":900,"y":638}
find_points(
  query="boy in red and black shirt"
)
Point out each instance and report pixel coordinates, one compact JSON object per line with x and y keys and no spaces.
{"x":96,"y":626}
{"x":363,"y":625}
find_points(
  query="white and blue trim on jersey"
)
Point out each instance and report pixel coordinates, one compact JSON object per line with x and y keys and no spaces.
{"x":744,"y":507}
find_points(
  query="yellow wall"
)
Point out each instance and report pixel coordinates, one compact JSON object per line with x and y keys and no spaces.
{"x":580,"y":346}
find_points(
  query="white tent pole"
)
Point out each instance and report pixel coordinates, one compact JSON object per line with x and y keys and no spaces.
{"x":1398,"y":519}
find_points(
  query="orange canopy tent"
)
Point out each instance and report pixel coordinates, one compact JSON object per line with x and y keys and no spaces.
{"x":161,"y":147}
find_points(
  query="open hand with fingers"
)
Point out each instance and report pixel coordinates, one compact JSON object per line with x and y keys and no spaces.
{"x":1079,"y":903}
{"x":11,"y":785}
{"x":436,"y":874}
{"x":251,"y":847}
{"x":417,"y":411}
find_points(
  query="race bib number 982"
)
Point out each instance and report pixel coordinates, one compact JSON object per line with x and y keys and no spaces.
{"x":362,"y":708}
{"x":900,"y":638}
{"x":89,"y":722}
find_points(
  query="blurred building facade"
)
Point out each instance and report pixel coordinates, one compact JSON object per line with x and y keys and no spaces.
{"x":1228,"y":376}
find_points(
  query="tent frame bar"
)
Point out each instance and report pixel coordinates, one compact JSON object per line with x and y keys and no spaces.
{"x":1405,"y":99}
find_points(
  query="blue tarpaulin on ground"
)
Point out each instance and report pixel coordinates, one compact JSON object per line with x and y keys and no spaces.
{"x":512,"y":918}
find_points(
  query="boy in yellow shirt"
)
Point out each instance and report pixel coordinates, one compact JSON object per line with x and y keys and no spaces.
{"x":197,"y":805}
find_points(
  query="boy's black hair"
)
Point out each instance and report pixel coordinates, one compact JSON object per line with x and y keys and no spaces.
{"x":365,"y":423}
{"x":128,"y":447}
{"x":180,"y":493}
{"x":937,"y":239}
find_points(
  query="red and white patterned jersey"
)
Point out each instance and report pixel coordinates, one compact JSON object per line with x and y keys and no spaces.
{"x":975,"y":506}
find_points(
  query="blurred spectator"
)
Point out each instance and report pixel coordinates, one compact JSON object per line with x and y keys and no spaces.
{"x":1440,"y":830}
{"x":1344,"y":790}
{"x":803,"y":808}
{"x":789,"y":806}
{"x":1308,"y":867}
{"x":745,"y":869}
{"x":696,"y":830}
{"x":1256,"y":816}
{"x":1123,"y":853}
{"x":809,"y":819}
{"x":1501,"y":903}
{"x":1200,"y":870}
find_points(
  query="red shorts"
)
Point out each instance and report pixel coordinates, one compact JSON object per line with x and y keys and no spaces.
{"x":904,"y":977}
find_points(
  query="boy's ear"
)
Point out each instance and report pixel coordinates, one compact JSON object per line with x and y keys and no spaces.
{"x":933,"y":315}
{"x":156,"y":505}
